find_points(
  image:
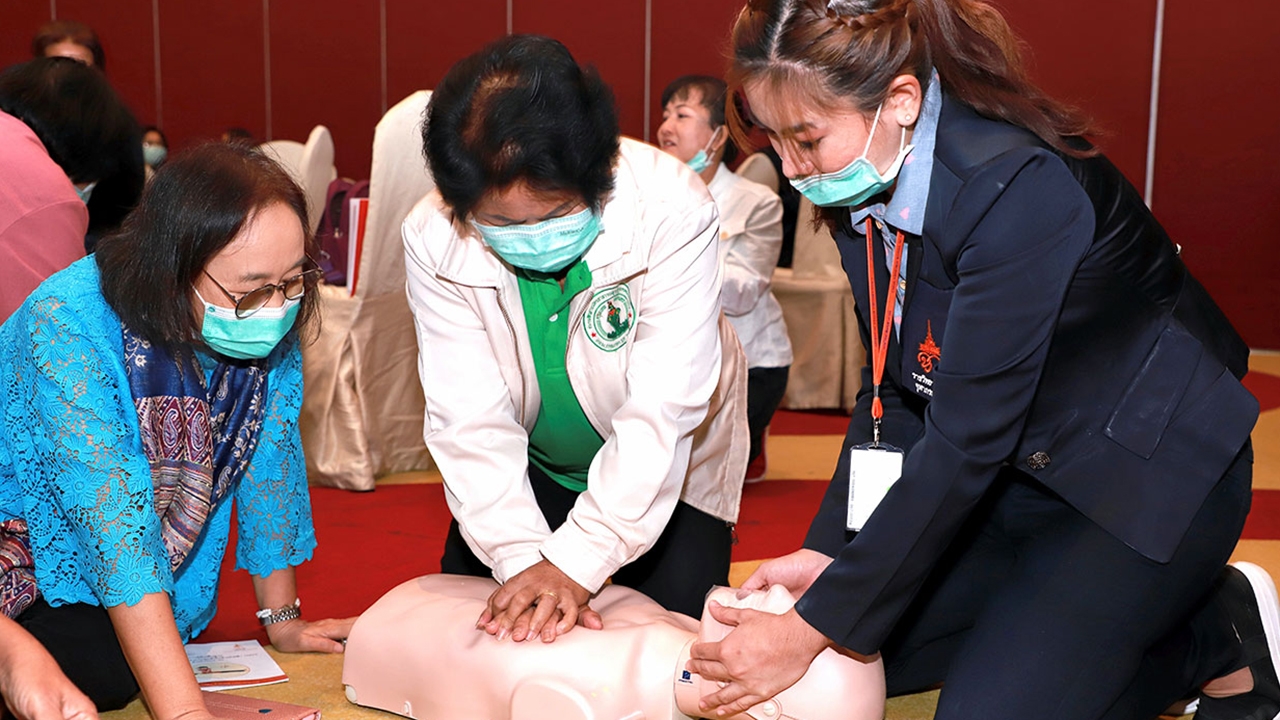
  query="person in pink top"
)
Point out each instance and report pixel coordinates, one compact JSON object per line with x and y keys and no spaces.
{"x":56,"y":115}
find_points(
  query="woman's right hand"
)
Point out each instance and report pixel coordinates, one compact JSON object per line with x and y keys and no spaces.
{"x":795,"y":572}
{"x":39,"y":691}
{"x":31,"y":682}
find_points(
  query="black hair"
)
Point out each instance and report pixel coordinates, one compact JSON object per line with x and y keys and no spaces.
{"x":710,"y":89}
{"x":58,"y":31}
{"x":193,"y":208}
{"x":238,"y":135}
{"x":164,"y":139}
{"x":86,"y":127}
{"x":521,"y":109}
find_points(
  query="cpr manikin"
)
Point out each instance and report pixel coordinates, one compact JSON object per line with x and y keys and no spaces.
{"x":417,"y":652}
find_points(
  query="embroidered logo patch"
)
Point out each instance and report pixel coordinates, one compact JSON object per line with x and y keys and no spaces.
{"x":930,"y":353}
{"x":609,"y":317}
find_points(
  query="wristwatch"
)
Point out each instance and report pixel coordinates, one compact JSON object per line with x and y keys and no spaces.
{"x":267,"y":616}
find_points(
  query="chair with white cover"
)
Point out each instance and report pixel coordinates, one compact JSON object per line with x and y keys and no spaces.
{"x":310,"y":165}
{"x":363,"y":408}
{"x":817,"y":305}
{"x":759,"y":168}
{"x":316,"y":170}
{"x":286,"y":152}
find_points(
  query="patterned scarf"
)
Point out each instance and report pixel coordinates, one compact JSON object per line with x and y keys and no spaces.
{"x":198,"y":441}
{"x":17,"y":570}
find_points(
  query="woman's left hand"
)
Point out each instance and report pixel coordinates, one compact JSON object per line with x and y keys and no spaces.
{"x":762,"y":656}
{"x":302,"y":636}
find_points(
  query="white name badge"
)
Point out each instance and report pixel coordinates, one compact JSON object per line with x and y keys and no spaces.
{"x":872,"y":471}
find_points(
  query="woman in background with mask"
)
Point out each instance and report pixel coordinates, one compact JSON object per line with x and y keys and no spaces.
{"x":1049,"y":463}
{"x":58,"y":118}
{"x":693,"y":130}
{"x":155,"y":148}
{"x":585,"y":399}
{"x":144,"y":388}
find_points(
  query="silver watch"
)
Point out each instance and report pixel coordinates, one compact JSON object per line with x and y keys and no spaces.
{"x":267,"y":616}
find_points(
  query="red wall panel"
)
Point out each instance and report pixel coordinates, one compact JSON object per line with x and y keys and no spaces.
{"x":1216,"y":181}
{"x":425,"y":39}
{"x":1096,"y":56}
{"x":326,"y":70}
{"x":19,"y":20}
{"x":608,"y":35}
{"x":125,"y":30}
{"x":688,"y":38}
{"x":212,"y":69}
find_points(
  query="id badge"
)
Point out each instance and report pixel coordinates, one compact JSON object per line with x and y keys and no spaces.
{"x":873,"y":469}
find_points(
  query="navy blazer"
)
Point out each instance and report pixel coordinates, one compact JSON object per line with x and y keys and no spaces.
{"x":1048,"y":325}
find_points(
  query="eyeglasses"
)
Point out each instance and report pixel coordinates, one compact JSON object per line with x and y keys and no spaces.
{"x":254,"y":300}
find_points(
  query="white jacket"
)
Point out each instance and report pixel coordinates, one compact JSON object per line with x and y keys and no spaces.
{"x":668,"y":395}
{"x":750,"y":241}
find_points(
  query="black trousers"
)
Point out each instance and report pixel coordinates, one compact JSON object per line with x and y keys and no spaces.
{"x":690,"y":557}
{"x":1039,"y":613}
{"x":83,"y":641}
{"x":765,"y":388}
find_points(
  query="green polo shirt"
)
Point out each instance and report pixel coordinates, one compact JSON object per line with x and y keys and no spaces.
{"x":562,"y":443}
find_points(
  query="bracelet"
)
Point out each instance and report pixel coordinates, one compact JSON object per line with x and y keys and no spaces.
{"x":267,"y":616}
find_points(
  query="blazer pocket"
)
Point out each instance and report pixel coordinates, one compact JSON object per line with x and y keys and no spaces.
{"x":1140,"y":418}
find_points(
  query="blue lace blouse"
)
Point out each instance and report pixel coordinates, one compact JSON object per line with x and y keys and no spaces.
{"x":72,"y":464}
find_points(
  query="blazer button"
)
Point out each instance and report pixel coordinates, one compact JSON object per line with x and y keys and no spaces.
{"x":1039,"y":460}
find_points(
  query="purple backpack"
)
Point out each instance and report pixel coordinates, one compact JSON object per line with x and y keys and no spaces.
{"x":331,"y":236}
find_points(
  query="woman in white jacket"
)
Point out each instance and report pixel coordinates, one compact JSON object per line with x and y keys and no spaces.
{"x":585,"y":398}
{"x":693,"y":131}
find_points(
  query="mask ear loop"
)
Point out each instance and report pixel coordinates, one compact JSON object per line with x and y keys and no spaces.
{"x":874,"y":125}
{"x":714,"y":134}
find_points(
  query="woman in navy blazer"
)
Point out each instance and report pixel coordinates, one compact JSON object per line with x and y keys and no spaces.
{"x":1074,"y":436}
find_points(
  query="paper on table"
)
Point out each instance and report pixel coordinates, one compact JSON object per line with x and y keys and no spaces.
{"x":223,"y":665}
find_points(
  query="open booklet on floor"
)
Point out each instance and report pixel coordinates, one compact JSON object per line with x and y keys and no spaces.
{"x":223,"y":665}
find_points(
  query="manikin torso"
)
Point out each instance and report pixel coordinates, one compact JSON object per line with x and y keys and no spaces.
{"x":417,"y":653}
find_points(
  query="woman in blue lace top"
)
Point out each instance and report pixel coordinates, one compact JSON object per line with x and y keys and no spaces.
{"x":145,"y":389}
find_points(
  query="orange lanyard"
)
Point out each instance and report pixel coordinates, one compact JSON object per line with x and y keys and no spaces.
{"x":880,"y":343}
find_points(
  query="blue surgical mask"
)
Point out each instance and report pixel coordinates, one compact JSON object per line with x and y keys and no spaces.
{"x":246,"y":338}
{"x":546,"y":246}
{"x":85,"y":192}
{"x":856,"y":182}
{"x":153,"y":155}
{"x":699,"y":162}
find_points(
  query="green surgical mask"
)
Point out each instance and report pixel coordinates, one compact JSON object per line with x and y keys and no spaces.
{"x":250,"y":337}
{"x":856,"y":182}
